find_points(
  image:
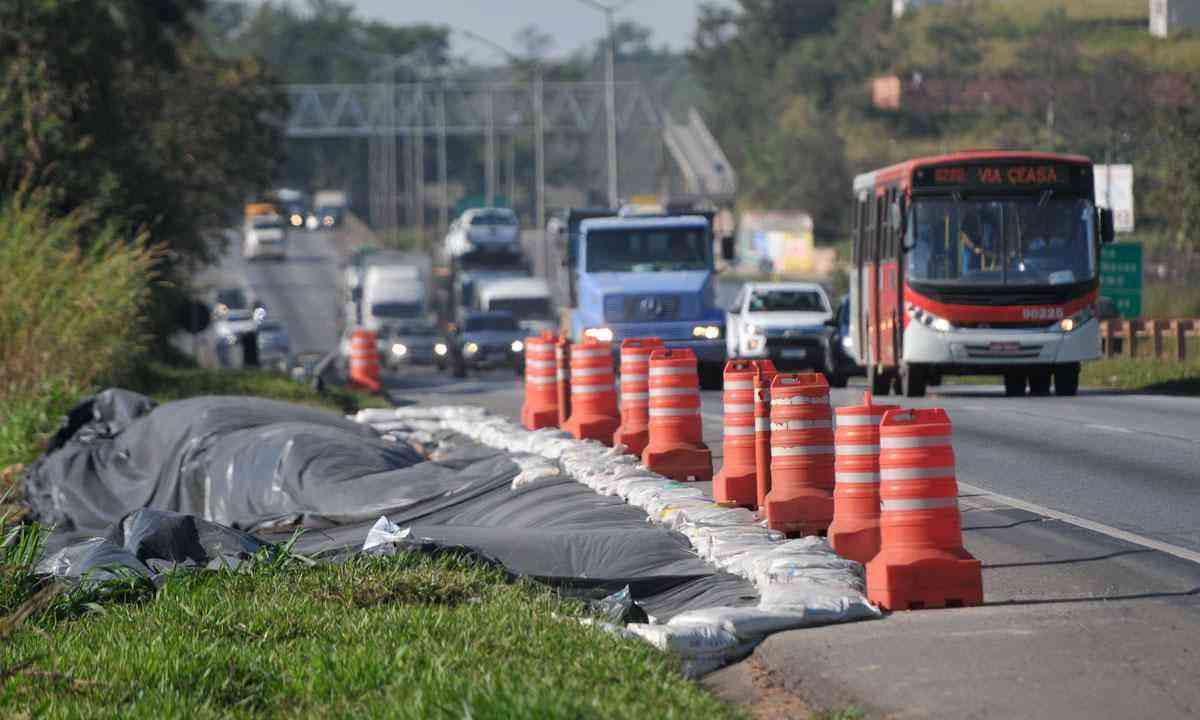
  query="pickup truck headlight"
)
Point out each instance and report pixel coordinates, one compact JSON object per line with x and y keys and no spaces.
{"x":440,"y":349}
{"x":517,"y":346}
{"x":708,"y":332}
{"x":470,"y":349}
{"x":399,"y":350}
{"x":1076,"y":321}
{"x":600,"y":334}
{"x":847,"y":343}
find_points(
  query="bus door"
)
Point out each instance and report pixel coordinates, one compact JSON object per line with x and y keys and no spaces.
{"x":889,"y":290}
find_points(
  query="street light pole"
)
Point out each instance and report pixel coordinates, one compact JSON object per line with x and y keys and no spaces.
{"x":610,"y":95}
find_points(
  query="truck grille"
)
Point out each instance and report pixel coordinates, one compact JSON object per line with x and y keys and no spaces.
{"x":650,"y":308}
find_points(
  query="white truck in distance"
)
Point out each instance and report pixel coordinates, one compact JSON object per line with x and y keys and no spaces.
{"x":391,"y":293}
{"x":263,"y":236}
{"x":527,"y":298}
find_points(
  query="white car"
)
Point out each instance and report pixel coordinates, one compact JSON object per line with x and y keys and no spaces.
{"x":783,"y":321}
{"x":264,"y":235}
{"x":484,"y":231}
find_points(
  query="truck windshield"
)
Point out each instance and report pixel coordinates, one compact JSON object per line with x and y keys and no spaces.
{"x":396,"y":309}
{"x":647,"y":250}
{"x":787,"y":301}
{"x":1023,"y":241}
{"x":534,"y":308}
{"x":481,"y":323}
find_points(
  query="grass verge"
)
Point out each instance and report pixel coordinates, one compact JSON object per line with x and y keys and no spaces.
{"x":407,"y":636}
{"x":1143,"y":374}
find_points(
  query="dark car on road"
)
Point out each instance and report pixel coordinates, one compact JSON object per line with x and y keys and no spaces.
{"x":485,"y":340}
{"x":839,"y":347}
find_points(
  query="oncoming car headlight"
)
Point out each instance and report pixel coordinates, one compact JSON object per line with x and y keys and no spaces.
{"x":399,"y":350}
{"x":1076,"y":321}
{"x":928,"y":319}
{"x":297,"y":221}
{"x":470,"y":349}
{"x":517,"y":346}
{"x":440,"y":349}
{"x":600,"y":334}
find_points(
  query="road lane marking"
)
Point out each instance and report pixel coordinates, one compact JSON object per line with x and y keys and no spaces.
{"x":1097,"y":527}
{"x":1109,"y":428}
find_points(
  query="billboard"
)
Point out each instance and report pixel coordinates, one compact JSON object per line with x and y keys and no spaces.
{"x":1114,"y":190}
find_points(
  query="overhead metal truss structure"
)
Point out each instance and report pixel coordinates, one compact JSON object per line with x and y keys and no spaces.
{"x":363,"y":110}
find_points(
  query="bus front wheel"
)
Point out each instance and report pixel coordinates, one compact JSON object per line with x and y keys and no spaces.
{"x":1039,"y":383}
{"x":1066,"y":379}
{"x":1014,"y":383}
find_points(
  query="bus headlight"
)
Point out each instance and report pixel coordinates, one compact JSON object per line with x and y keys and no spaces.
{"x":928,"y":319}
{"x":1077,"y":320}
{"x":708,"y":332}
{"x":600,"y":334}
{"x":517,"y":346}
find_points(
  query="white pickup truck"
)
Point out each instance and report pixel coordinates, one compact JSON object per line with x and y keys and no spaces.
{"x":783,"y":321}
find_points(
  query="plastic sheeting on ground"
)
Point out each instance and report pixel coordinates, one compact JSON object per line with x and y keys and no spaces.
{"x":801,"y":582}
{"x":208,"y":481}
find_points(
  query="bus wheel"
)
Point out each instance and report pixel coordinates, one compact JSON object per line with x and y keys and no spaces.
{"x":880,"y":383}
{"x":1039,"y":383}
{"x":912,"y":381}
{"x":1066,"y":379}
{"x":1014,"y":384}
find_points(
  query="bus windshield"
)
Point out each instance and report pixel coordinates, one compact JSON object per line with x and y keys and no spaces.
{"x":647,"y":250}
{"x":1042,"y":240}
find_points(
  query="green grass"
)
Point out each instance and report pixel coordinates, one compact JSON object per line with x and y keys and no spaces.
{"x":408,"y":637}
{"x":1144,"y":374}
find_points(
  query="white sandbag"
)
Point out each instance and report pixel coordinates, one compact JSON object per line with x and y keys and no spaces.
{"x":746,"y":623}
{"x":383,"y":536}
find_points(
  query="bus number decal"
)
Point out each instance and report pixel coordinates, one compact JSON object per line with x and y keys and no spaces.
{"x":1042,"y":313}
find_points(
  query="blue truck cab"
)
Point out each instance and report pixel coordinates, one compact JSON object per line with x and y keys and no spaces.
{"x":644,"y":276}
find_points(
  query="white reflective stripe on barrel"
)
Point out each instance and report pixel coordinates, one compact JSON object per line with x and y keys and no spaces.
{"x":915,"y":473}
{"x":762,"y":424}
{"x":635,"y":357}
{"x":856,"y":478}
{"x":907,"y":443}
{"x":739,"y":384}
{"x":844,"y":449}
{"x":539,"y":380}
{"x":800,"y":400}
{"x":859,"y":419}
{"x":590,"y":372}
{"x":738,"y":430}
{"x":541,"y":364}
{"x":634,"y":378}
{"x":590,"y":389}
{"x":661,"y":371}
{"x":634,"y":395}
{"x":561,"y":375}
{"x":920,"y":504}
{"x":801,"y":450}
{"x":559,"y":353}
{"x":673,"y":392}
{"x":802,"y":425}
{"x":746,"y":409}
{"x":673,"y":412}
{"x":593,"y":353}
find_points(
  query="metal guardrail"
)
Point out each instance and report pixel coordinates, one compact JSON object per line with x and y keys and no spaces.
{"x":321,"y":370}
{"x":1121,"y":338}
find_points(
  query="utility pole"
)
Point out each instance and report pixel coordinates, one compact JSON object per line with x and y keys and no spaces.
{"x":419,"y":161}
{"x":490,"y":161}
{"x":610,"y":93}
{"x":539,"y":167}
{"x":444,"y":192}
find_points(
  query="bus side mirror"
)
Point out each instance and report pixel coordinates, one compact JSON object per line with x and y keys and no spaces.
{"x":897,"y":218}
{"x":1107,"y":231}
{"x":727,"y":248}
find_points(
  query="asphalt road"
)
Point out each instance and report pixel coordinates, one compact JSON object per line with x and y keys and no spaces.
{"x":1085,"y":512}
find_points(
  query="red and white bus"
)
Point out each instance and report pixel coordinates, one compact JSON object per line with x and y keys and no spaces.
{"x":983,"y":263}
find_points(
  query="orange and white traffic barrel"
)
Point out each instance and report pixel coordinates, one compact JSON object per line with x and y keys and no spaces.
{"x":801,"y":498}
{"x":854,"y":532}
{"x":634,"y":431}
{"x":364,"y":360}
{"x":676,"y":448}
{"x":594,"y":414}
{"x":562,"y":361}
{"x":541,"y":383}
{"x":764,"y":375}
{"x":734,"y":485}
{"x":921,"y":561}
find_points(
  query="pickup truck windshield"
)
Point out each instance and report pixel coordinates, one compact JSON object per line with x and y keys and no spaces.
{"x":787,"y":301}
{"x":647,"y":250}
{"x":494,"y":217}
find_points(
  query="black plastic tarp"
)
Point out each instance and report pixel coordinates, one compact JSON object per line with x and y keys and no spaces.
{"x":209,"y":480}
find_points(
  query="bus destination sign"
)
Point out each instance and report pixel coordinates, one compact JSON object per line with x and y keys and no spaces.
{"x":997,"y":177}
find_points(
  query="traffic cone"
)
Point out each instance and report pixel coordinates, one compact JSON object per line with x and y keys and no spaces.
{"x":562,"y":362}
{"x":801,"y":498}
{"x":541,"y":383}
{"x":854,"y":532}
{"x":594,"y":413}
{"x":676,"y":448}
{"x":634,"y":431}
{"x":764,"y":376}
{"x":735,"y":484}
{"x":921,"y":561}
{"x":364,"y":360}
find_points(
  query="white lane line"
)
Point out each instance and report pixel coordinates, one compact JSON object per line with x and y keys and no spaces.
{"x":1097,"y":527}
{"x":1110,"y":428}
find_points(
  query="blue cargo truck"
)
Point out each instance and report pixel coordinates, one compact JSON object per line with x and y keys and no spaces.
{"x":636,"y":276}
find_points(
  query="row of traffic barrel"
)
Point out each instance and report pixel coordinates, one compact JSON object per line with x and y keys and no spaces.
{"x":877,"y":480}
{"x":657,"y":417}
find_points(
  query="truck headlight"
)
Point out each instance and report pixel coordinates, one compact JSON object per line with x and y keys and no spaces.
{"x":1076,"y":321}
{"x":755,"y":343}
{"x":708,"y":332}
{"x":517,"y":346}
{"x":470,"y":349}
{"x":753,"y":329}
{"x":600,"y":334}
{"x":399,"y":350}
{"x":440,"y":349}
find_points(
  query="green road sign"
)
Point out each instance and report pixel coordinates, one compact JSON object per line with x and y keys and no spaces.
{"x":1121,"y":277}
